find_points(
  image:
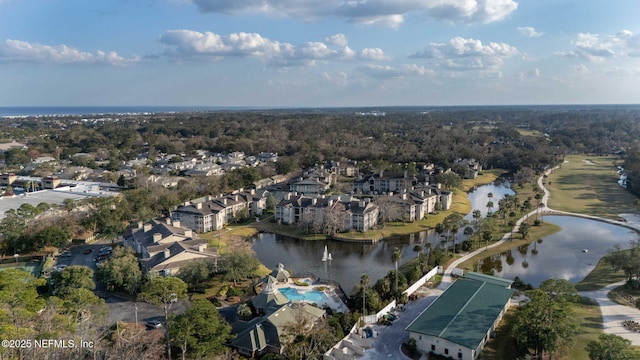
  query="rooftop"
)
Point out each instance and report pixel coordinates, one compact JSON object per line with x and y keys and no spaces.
{"x":463,"y":313}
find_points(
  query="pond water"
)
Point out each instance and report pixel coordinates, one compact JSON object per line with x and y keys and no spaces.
{"x":557,"y":256}
{"x":569,"y":254}
{"x":349,"y":260}
{"x":479,"y":197}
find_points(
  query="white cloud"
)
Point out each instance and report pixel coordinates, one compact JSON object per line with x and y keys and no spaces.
{"x":529,"y":31}
{"x":598,"y":48}
{"x":338,"y":79}
{"x":368,"y":12}
{"x":414,"y":69}
{"x":337,"y":39}
{"x":375,"y":54}
{"x":23,"y":51}
{"x":467,"y":54}
{"x":623,"y":71}
{"x":531,"y":74}
{"x":390,"y":72}
{"x":189,"y":44}
{"x":580,"y":69}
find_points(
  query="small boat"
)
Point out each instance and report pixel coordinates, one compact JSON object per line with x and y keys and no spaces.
{"x":585,"y":250}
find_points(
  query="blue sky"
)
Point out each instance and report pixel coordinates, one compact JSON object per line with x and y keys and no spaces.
{"x":318,"y":53}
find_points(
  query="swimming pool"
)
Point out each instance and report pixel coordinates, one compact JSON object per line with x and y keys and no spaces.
{"x":315,"y":296}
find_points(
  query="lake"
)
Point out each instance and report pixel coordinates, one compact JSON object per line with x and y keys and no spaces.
{"x":570,"y":254}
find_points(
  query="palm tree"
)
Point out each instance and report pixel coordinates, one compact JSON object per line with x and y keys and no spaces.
{"x":489,"y":207}
{"x":454,"y":230}
{"x":477,"y":214}
{"x":428,"y":246}
{"x":365,"y":282}
{"x":440,"y":228}
{"x":244,"y":311}
{"x":468,"y":231}
{"x":395,"y":257}
{"x":538,"y":197}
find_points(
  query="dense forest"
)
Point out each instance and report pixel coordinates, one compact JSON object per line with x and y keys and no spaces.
{"x":522,"y":140}
{"x":509,"y":137}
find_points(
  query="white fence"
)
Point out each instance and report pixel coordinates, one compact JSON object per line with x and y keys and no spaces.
{"x":423,"y":280}
{"x":345,"y":349}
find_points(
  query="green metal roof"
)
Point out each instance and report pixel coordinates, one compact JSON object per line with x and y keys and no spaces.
{"x":488,"y":279}
{"x":463,"y":313}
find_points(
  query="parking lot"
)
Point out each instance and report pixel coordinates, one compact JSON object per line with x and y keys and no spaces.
{"x":121,"y":307}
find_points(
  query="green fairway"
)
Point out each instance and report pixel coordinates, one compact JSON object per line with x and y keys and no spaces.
{"x":588,"y":185}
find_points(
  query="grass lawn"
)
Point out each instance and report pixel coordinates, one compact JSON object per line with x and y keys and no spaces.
{"x":588,"y":316}
{"x":586,"y":313}
{"x":535,"y":233}
{"x":601,"y":276}
{"x":502,"y":346}
{"x":588,"y":185}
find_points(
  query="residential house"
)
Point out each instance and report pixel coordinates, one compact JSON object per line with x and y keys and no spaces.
{"x":51,"y":182}
{"x":470,"y":168}
{"x":165,"y":246}
{"x":272,"y":333}
{"x":309,"y":186}
{"x":383,"y":183}
{"x":7,"y":179}
{"x":459,"y":322}
{"x":354,"y":215}
{"x":266,"y":157}
{"x":213,"y":213}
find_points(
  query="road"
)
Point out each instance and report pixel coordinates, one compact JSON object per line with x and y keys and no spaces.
{"x":387,"y":344}
{"x":121,"y":308}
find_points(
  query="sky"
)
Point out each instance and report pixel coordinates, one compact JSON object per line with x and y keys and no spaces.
{"x":318,"y":53}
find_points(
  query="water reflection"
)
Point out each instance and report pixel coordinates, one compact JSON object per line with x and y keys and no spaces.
{"x":349,"y":261}
{"x":479,"y":197}
{"x":561,"y":255}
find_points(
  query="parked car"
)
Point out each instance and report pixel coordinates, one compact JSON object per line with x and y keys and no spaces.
{"x":154,"y":324}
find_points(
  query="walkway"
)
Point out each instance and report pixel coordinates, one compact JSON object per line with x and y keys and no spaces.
{"x":612,"y":314}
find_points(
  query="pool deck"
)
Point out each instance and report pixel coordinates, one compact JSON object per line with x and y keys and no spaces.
{"x":335,"y":302}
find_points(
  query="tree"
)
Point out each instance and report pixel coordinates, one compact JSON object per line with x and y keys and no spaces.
{"x":164,"y":291}
{"x":450,"y":180}
{"x":611,"y":347}
{"x":19,"y":296}
{"x":239,"y":265}
{"x":72,"y":277}
{"x":395,"y":257}
{"x":196,"y":271}
{"x":544,"y":324}
{"x":121,"y":271}
{"x":244,"y":311}
{"x":200,"y":331}
{"x":524,"y":230}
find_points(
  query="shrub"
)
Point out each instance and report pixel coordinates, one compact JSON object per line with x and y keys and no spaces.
{"x":234,"y":292}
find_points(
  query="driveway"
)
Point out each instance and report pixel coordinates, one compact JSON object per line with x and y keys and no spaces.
{"x":387,"y":344}
{"x":614,"y":314}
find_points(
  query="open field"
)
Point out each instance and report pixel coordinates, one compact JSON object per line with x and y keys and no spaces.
{"x":588,"y":185}
{"x":588,"y":316}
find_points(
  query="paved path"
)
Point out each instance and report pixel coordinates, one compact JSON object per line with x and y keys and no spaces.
{"x":614,"y":314}
{"x":390,"y":338}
